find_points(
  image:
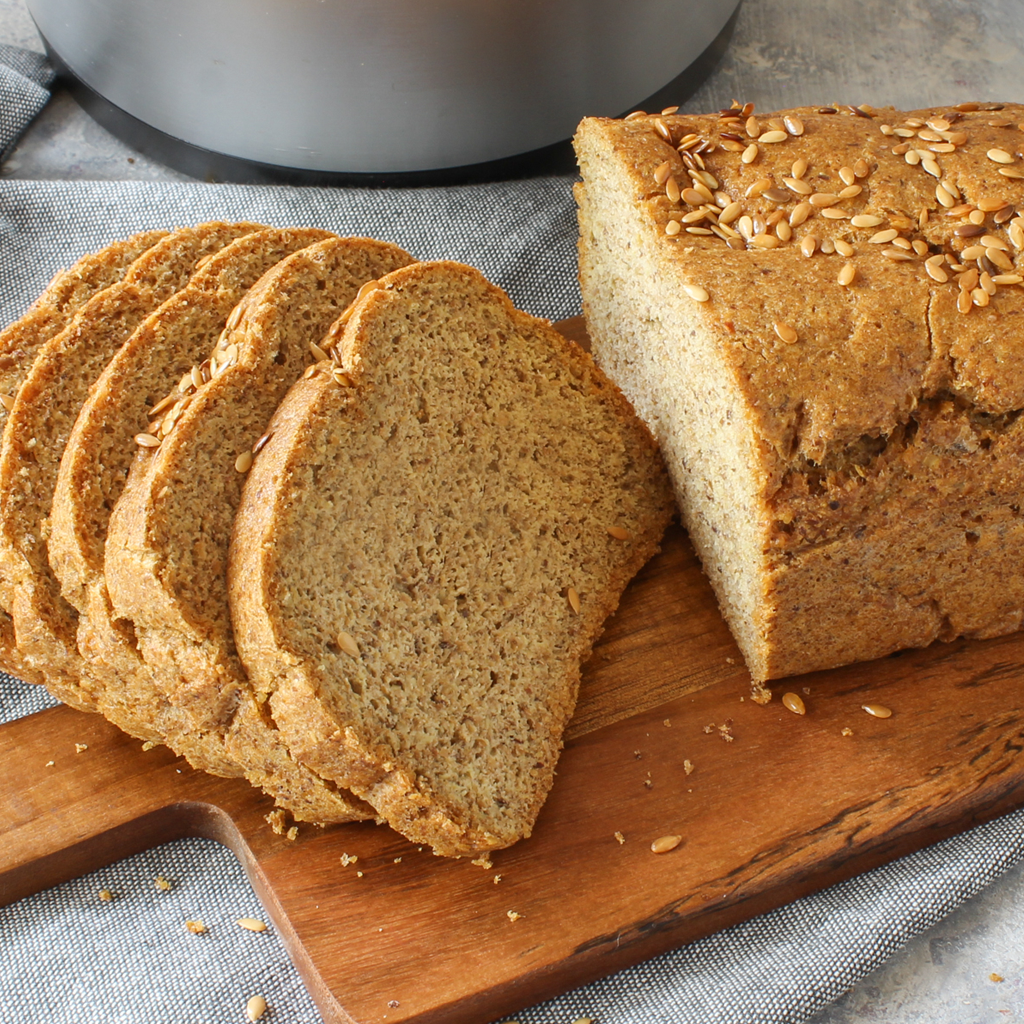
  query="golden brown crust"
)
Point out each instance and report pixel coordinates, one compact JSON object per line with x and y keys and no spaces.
{"x":855,"y":394}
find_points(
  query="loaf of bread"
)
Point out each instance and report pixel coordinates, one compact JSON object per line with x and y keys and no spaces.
{"x":439,"y":518}
{"x":427,"y":547}
{"x":820,"y":314}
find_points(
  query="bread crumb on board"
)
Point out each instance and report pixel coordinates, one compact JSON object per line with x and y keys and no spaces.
{"x":277,"y":819}
{"x":196,"y":927}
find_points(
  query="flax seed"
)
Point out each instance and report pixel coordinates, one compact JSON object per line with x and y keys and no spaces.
{"x":147,"y":441}
{"x":768,"y":138}
{"x":255,"y":1007}
{"x":763,"y":241}
{"x":877,"y":710}
{"x":847,"y":275}
{"x":801,"y":188}
{"x":573,"y":598}
{"x":793,"y":124}
{"x":347,"y":642}
{"x":866,"y":220}
{"x":730,"y":213}
{"x":992,"y":205}
{"x":664,"y":844}
{"x":999,"y":258}
{"x":786,"y":333}
{"x":843,"y":247}
{"x":808,"y":244}
{"x":800,"y":213}
{"x":968,"y":280}
{"x":696,"y":293}
{"x":936,"y":273}
{"x":794,"y":702}
{"x":861,"y":168}
{"x":244,"y":462}
{"x":831,"y":213}
{"x":1000,"y":156}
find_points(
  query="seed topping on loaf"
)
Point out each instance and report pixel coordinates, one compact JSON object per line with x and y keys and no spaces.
{"x":972,"y":246}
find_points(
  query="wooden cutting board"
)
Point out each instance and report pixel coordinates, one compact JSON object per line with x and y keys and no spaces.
{"x":769,"y":806}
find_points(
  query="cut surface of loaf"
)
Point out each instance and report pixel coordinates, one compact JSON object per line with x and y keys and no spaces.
{"x":170,"y":346}
{"x":166,"y":552}
{"x":37,"y":429}
{"x":819,"y":314}
{"x":428,"y":546}
{"x":20,"y":341}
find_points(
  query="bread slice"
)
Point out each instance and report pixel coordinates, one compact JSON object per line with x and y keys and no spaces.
{"x":19,"y":342}
{"x":164,"y":348}
{"x":830,"y":363}
{"x":37,"y":429}
{"x":167,"y":541}
{"x":427,"y":549}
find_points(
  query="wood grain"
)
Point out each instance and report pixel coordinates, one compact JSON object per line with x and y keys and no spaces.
{"x":770,"y":806}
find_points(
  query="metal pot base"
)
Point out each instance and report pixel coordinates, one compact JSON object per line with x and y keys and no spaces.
{"x":207,"y":165}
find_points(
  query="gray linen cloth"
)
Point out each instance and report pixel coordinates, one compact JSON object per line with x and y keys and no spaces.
{"x":68,"y":958}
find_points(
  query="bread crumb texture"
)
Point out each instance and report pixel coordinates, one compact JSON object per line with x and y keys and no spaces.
{"x":819,"y":314}
{"x":406,"y":543}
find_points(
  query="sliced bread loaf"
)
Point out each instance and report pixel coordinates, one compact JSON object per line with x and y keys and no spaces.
{"x":37,"y":430}
{"x":19,"y":342}
{"x":427,"y":548}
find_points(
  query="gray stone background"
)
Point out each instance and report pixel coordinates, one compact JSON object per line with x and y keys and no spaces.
{"x":970,"y":968}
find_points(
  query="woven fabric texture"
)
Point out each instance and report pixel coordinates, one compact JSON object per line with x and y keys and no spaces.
{"x":25,"y":78}
{"x":69,"y":957}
